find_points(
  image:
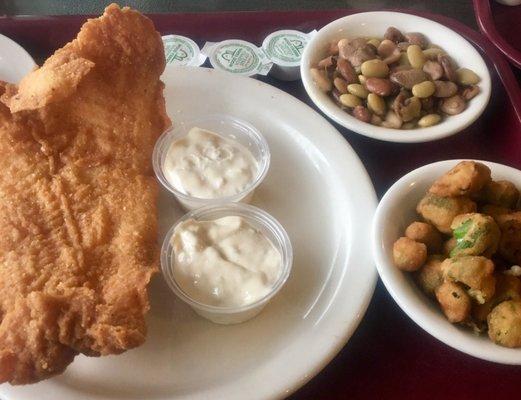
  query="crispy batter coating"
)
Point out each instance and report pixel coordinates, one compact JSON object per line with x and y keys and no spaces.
{"x":501,"y":193}
{"x":430,"y":276}
{"x":475,"y":272}
{"x":426,"y":234}
{"x":476,"y":234}
{"x":465,"y":179}
{"x":508,"y":287}
{"x":409,"y":255}
{"x":440,"y":211}
{"x":510,"y":242}
{"x":454,"y":301}
{"x":78,"y":213}
{"x":504,"y":324}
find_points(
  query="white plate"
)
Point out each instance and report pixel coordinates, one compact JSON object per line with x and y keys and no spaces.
{"x":320,"y":192}
{"x":15,"y":62}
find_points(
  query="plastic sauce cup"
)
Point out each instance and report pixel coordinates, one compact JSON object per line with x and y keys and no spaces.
{"x":225,"y":126}
{"x":257,"y":218}
{"x":180,"y":50}
{"x":237,"y":57}
{"x":284,"y":48}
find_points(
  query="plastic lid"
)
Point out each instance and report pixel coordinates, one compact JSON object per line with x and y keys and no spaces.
{"x":285,"y":47}
{"x":238,"y":57}
{"x":180,"y":50}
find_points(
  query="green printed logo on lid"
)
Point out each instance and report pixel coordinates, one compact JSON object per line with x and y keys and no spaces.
{"x":178,"y":51}
{"x":286,"y":47}
{"x":236,"y":58}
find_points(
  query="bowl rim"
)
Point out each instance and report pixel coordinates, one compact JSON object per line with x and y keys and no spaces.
{"x":411,"y":306}
{"x":418,"y":135}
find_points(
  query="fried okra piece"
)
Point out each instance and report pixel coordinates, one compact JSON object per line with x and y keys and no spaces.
{"x":495,"y":211}
{"x":501,"y":193}
{"x":510,"y":242}
{"x":426,"y":234}
{"x":504,"y":324}
{"x":465,"y":179}
{"x":440,"y":211}
{"x":430,"y":275}
{"x":476,"y":234}
{"x":475,"y":272}
{"x":454,"y":301}
{"x":508,"y":287}
{"x":409,"y":255}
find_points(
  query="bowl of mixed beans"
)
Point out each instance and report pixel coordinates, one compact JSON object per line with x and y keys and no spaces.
{"x":412,"y":81}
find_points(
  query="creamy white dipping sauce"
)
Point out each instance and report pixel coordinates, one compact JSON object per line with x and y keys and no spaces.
{"x":225,"y":262}
{"x":205,"y":165}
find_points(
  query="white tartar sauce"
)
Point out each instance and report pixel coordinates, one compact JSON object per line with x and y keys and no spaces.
{"x":206,"y":165}
{"x":225,"y":262}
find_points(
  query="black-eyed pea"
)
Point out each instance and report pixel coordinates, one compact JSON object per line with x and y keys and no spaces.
{"x":358,"y":90}
{"x":321,"y":80}
{"x":415,"y":56}
{"x":424,"y":89}
{"x":350,"y":100}
{"x":340,"y":84}
{"x":376,"y":104}
{"x":374,"y":68}
{"x":429,"y":120}
{"x":467,"y":77}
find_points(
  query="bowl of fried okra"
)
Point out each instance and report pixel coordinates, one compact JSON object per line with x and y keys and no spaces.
{"x":447,"y":244}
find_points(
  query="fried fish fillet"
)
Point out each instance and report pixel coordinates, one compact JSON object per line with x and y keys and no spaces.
{"x":78,"y":220}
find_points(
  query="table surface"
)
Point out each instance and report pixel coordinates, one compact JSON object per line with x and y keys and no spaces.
{"x":459,"y":9}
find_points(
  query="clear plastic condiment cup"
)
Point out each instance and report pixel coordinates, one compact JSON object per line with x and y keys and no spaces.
{"x":257,"y":218}
{"x":228,"y":127}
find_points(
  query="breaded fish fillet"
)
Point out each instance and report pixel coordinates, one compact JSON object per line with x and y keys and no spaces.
{"x":78,"y":218}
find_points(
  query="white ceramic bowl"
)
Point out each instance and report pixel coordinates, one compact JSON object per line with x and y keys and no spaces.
{"x":397,"y":210}
{"x":15,"y":62}
{"x":374,"y":24}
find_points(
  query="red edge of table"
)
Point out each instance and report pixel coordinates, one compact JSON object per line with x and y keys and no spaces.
{"x":388,"y":356}
{"x":510,"y":17}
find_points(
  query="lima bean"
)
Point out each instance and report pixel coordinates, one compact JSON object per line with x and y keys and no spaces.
{"x":358,"y":90}
{"x":374,"y":69}
{"x":415,"y":56}
{"x":350,"y":100}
